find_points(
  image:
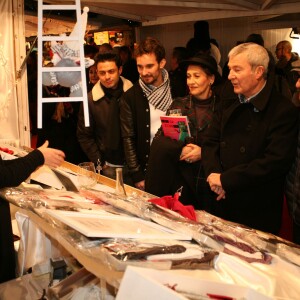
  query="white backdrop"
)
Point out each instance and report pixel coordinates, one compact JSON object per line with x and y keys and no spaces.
{"x":8,"y":103}
{"x":14,"y":116}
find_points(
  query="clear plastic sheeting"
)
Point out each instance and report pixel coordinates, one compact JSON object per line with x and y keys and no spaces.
{"x":258,"y":260}
{"x":25,"y":288}
{"x":81,"y":285}
{"x":158,"y":254}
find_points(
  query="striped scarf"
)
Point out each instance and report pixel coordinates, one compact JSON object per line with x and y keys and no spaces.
{"x":160,"y":97}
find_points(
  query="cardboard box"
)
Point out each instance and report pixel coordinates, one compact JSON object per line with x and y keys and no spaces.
{"x":149,"y":284}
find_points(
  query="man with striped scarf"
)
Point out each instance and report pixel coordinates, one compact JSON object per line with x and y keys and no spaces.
{"x":142,"y":105}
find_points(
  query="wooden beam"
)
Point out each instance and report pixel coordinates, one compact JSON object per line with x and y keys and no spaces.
{"x":244,"y":3}
{"x":215,"y":15}
{"x":172,"y":3}
{"x":267,"y":4}
{"x":265,"y":18}
{"x":120,"y":14}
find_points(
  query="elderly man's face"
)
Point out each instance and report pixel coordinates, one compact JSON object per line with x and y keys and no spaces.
{"x":245,"y":79}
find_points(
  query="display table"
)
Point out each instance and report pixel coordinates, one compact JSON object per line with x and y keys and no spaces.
{"x":278,"y":279}
{"x":93,"y":265}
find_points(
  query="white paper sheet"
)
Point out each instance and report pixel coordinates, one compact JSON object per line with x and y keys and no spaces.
{"x":105,"y":226}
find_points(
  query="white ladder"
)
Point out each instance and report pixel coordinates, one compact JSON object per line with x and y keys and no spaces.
{"x":74,"y":38}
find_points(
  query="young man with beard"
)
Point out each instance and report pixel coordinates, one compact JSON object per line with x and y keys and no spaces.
{"x":251,"y":143}
{"x":142,"y":105}
{"x":101,"y":141}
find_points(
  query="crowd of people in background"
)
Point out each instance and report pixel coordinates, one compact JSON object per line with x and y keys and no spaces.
{"x":243,"y":120}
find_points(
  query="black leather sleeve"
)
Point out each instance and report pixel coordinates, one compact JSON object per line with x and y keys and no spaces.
{"x":128,"y":132}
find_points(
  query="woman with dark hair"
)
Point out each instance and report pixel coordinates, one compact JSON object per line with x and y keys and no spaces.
{"x":174,"y":164}
{"x":93,"y":77}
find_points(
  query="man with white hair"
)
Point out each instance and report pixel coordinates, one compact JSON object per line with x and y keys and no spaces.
{"x":251,"y":143}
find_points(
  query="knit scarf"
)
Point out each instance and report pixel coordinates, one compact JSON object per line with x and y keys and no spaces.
{"x":160,"y":97}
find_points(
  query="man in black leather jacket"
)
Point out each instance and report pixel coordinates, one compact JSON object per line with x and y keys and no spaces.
{"x":141,"y":107}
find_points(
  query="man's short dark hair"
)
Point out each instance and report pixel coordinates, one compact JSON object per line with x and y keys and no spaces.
{"x":151,"y":45}
{"x":126,"y":50}
{"x":90,"y":50}
{"x":255,"y":38}
{"x":105,"y":47}
{"x":180,"y":53}
{"x":108,"y":56}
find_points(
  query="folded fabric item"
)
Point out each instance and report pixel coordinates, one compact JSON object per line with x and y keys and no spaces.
{"x":174,"y":204}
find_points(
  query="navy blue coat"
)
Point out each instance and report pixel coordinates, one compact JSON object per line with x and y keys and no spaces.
{"x":252,"y":146}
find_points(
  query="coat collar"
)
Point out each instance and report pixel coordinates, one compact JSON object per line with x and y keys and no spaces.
{"x":259,"y":102}
{"x":262,"y":99}
{"x":98,"y":93}
{"x":231,"y":101}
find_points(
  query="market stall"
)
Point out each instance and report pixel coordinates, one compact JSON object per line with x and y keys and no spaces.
{"x":109,"y":233}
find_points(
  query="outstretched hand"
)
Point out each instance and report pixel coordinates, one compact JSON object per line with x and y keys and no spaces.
{"x":53,"y":157}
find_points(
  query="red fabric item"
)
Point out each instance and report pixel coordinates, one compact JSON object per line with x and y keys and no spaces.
{"x":286,"y":230}
{"x":174,"y":204}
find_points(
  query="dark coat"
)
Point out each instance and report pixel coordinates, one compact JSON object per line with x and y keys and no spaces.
{"x":293,"y":186}
{"x":166,"y":173}
{"x":7,"y":252}
{"x":12,"y":173}
{"x":61,"y":135}
{"x":252,"y":145}
{"x":283,"y":68}
{"x":101,"y":140}
{"x":135,"y":129}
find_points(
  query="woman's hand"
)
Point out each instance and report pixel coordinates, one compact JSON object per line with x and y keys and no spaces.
{"x":191,"y":153}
